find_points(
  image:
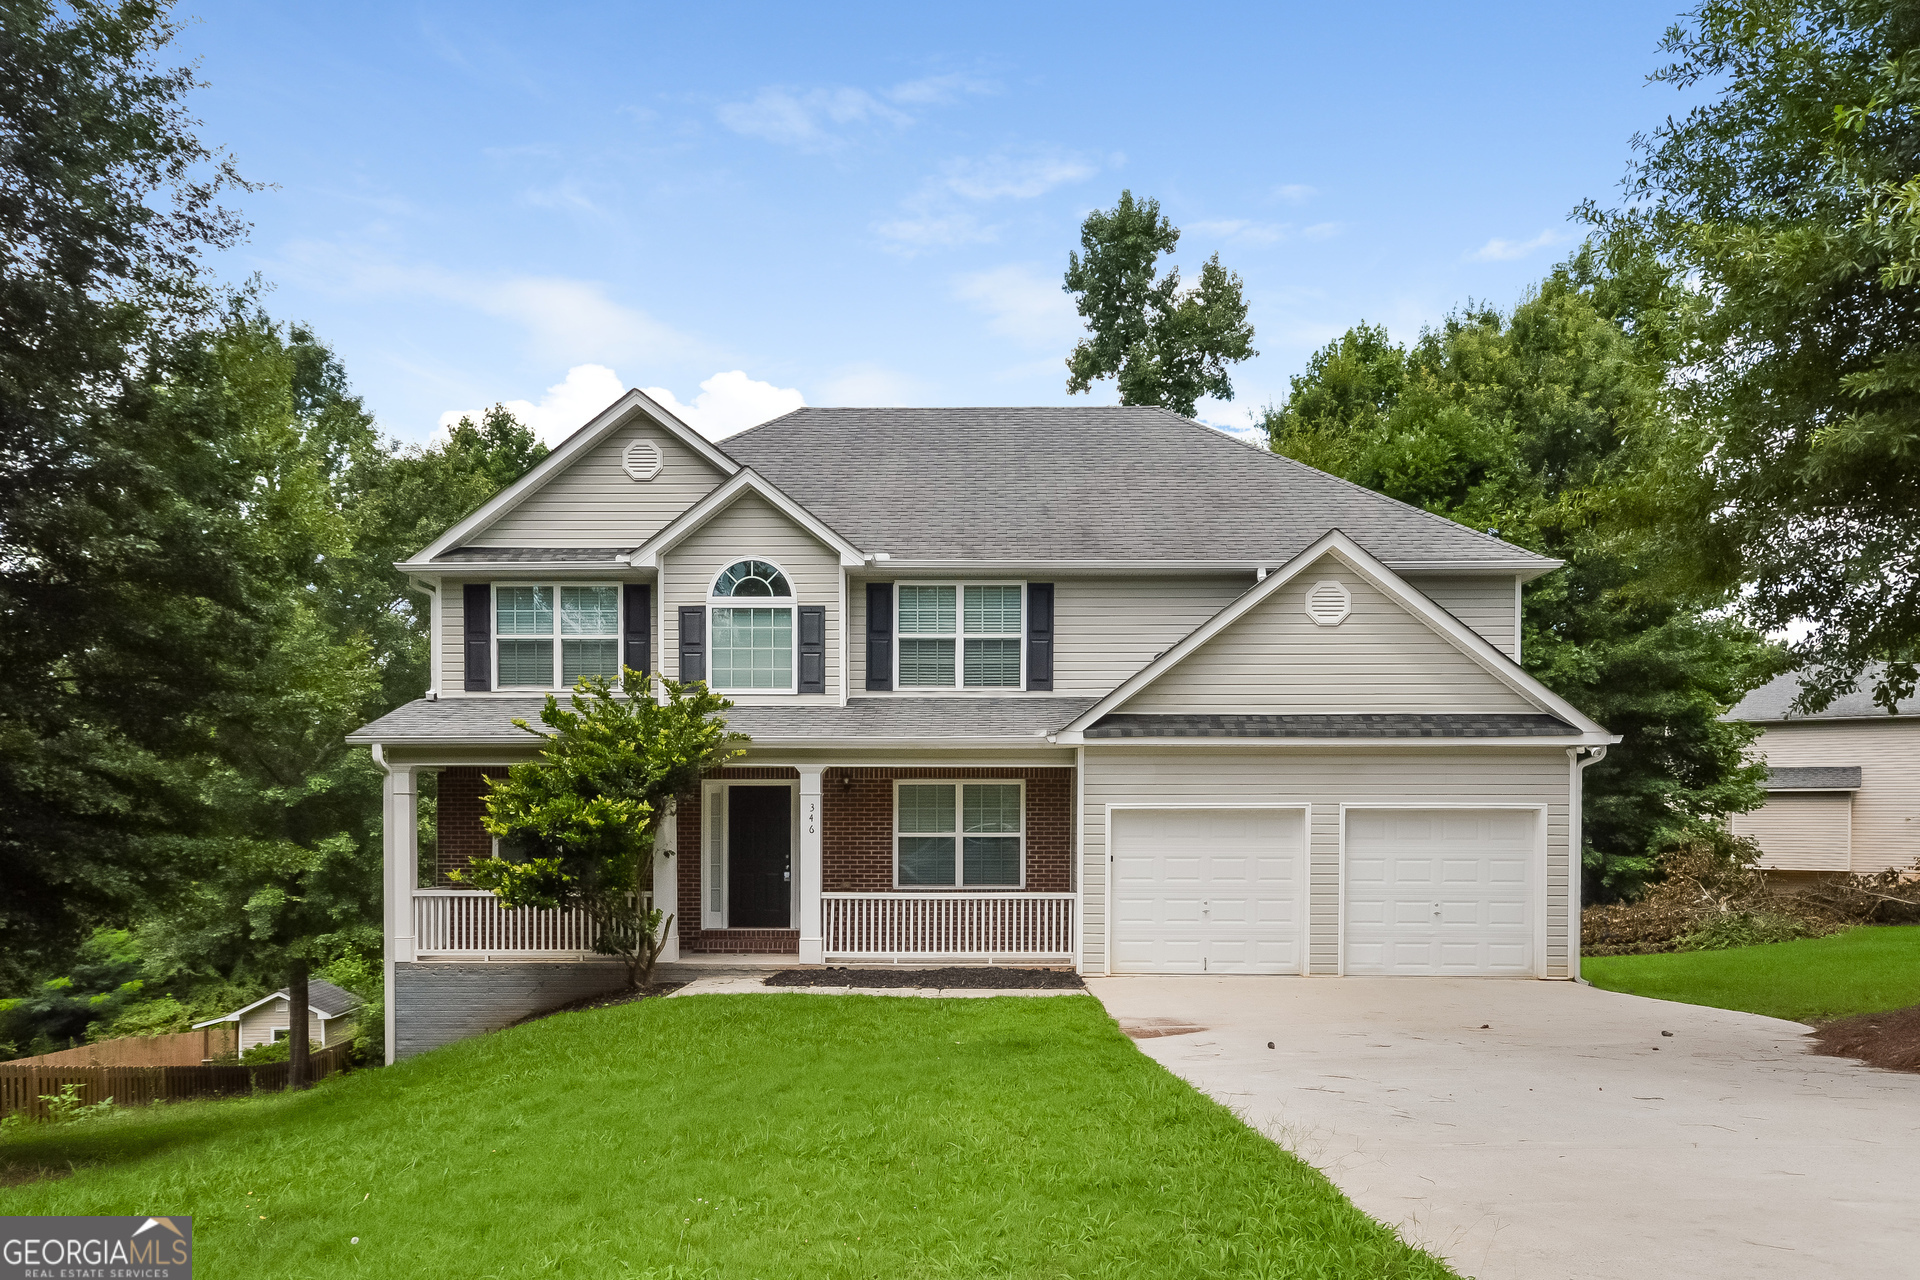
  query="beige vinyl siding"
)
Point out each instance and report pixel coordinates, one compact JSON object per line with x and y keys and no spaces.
{"x":1105,"y":629}
{"x":1276,"y":659}
{"x":1323,"y":779}
{"x":1484,"y":603}
{"x":1886,"y":809}
{"x":259,"y":1026}
{"x":595,"y":503}
{"x":1802,"y":830}
{"x":752,"y":528}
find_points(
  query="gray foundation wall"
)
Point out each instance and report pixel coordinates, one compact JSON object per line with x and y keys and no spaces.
{"x":436,"y":1003}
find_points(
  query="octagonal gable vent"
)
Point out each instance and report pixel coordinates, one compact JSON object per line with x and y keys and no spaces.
{"x":1329,"y":603}
{"x":642,"y":460}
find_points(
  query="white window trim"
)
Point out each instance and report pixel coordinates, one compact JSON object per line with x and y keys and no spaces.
{"x":959,"y":820}
{"x":791,"y":603}
{"x":959,"y":637}
{"x":618,"y":637}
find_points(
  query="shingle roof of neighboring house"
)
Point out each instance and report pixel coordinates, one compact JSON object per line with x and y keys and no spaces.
{"x":323,"y":998}
{"x":1127,"y":725}
{"x":1773,"y":700}
{"x":1814,"y":778}
{"x":491,"y":719}
{"x":1084,"y":483}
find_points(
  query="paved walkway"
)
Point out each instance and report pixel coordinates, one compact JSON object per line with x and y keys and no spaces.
{"x":1538,"y":1129}
{"x":757,"y":986}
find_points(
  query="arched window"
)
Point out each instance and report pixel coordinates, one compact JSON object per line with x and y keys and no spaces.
{"x":752,"y":578}
{"x":750,"y":633}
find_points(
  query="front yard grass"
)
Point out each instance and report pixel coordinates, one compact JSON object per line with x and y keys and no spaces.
{"x":1866,"y":970}
{"x":732,"y":1136}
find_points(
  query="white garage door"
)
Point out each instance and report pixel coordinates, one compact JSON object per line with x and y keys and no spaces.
{"x":1208,"y":890}
{"x":1447,"y":891}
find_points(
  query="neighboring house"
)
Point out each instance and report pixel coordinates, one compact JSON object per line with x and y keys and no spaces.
{"x":1843,"y":792}
{"x":1087,"y":686}
{"x":330,"y":1014}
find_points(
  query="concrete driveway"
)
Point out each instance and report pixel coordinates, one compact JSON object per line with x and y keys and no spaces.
{"x":1547,"y":1129}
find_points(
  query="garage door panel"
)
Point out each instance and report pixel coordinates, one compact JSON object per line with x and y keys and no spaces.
{"x":1219,"y":890}
{"x":1455,"y":893}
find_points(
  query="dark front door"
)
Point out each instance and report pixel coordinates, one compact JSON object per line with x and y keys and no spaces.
{"x":759,"y":853}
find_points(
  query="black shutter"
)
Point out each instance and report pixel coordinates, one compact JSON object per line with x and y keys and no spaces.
{"x":693,"y":642}
{"x":476,"y":600}
{"x":1040,"y":636}
{"x":638,"y":650}
{"x":813,"y":648}
{"x":879,"y":635}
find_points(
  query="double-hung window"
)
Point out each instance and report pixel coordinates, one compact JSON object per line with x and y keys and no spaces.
{"x":540,"y":646}
{"x":960,"y":636}
{"x":968,"y":835}
{"x":751,"y":632}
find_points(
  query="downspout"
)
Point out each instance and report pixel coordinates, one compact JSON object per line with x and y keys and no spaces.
{"x":1576,"y":851}
{"x":432,"y":591}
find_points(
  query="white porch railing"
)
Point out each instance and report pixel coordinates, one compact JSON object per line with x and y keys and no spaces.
{"x":472,"y":923}
{"x":932,"y":926}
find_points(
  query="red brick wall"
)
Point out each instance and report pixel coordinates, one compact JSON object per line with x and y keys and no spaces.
{"x":856,"y":814}
{"x":458,"y":836}
{"x":856,"y":819}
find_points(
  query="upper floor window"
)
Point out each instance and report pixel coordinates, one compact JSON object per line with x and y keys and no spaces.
{"x":583,"y":632}
{"x":750,"y":647}
{"x":960,"y":636}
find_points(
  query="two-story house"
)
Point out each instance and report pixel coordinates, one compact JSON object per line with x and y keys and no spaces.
{"x":1088,"y":686}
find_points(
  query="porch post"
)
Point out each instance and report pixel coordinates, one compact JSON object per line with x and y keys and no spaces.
{"x":400,"y":841}
{"x":666,"y":878}
{"x":812,"y":946}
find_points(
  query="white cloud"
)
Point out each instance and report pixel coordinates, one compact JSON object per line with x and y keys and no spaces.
{"x":1321,"y":231}
{"x":1294,"y":193}
{"x":1024,"y":303}
{"x":939,"y":90}
{"x":1242,"y":231}
{"x":564,"y":409}
{"x":929,"y":230}
{"x":801,"y":118}
{"x":729,"y":403}
{"x":1001,"y":176}
{"x":1497,"y":250}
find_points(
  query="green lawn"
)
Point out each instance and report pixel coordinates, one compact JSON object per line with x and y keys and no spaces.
{"x":733,"y":1136}
{"x":1859,"y":971}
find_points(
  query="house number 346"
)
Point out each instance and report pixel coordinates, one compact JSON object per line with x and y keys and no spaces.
{"x":813,"y":814}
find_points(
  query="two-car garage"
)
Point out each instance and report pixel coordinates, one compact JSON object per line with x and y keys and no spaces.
{"x":1440,"y":890}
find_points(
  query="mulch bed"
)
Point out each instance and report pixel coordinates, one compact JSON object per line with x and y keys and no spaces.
{"x":603,"y":1001}
{"x":1890,"y":1040}
{"x":976,"y":977}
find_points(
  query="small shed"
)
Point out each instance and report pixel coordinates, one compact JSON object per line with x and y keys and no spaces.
{"x":330,"y":1017}
{"x":1843,"y":786}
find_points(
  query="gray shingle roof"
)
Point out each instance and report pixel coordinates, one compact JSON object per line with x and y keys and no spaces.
{"x":1814,"y":778}
{"x":1083,"y":483}
{"x":1772,"y":701}
{"x":1127,"y":725}
{"x":490,"y":720}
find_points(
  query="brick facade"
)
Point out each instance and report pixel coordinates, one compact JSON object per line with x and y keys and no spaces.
{"x":458,"y":836}
{"x":856,"y":842}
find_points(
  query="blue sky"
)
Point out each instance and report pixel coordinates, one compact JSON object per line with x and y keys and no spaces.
{"x":749,"y":206}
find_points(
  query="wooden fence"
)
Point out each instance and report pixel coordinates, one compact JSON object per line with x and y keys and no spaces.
{"x":24,"y":1088}
{"x":181,"y":1049}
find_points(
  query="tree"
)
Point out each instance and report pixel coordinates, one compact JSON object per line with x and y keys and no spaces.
{"x":1528,"y":424}
{"x":128,"y":602}
{"x":1161,"y":346}
{"x":583,"y":818}
{"x":1791,"y":201}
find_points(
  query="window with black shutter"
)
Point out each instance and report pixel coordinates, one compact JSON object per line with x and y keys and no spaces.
{"x":813,"y":648}
{"x":879,"y":635}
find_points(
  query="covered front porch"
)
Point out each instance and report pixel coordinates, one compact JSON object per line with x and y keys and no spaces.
{"x":794,"y":864}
